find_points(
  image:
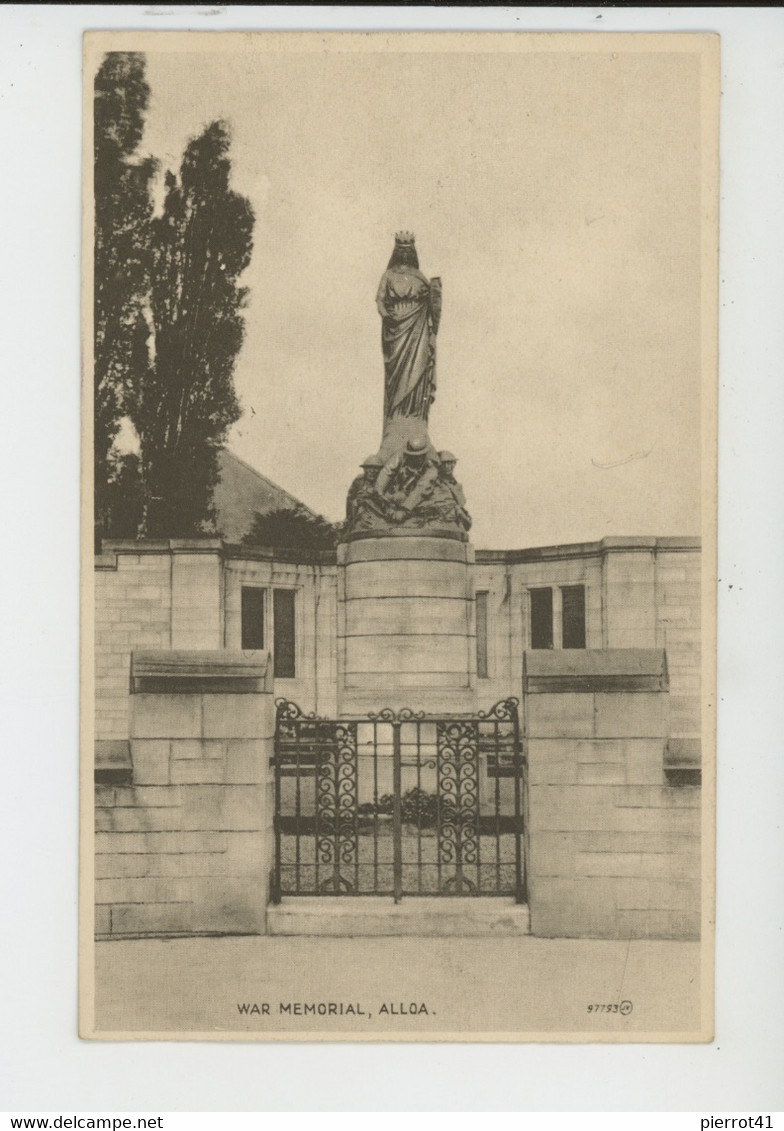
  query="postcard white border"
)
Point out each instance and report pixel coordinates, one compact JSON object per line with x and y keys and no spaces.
{"x":50,"y":1069}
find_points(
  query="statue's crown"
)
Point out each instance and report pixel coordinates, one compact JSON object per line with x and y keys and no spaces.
{"x":404,"y":239}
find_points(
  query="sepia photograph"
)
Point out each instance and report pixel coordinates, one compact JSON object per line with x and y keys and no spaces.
{"x":399,"y":536}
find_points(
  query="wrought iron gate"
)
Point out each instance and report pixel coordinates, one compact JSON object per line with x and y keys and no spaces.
{"x":399,"y":803}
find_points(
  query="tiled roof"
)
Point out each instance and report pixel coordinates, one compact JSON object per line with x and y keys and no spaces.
{"x":241,"y":493}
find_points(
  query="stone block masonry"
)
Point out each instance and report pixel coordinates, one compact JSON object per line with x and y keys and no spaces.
{"x":132,"y":610}
{"x":612,"y":735}
{"x":613,"y":849}
{"x":638,"y":592}
{"x":163,"y":595}
{"x":186,"y":849}
{"x":405,"y":624}
{"x":356,"y":618}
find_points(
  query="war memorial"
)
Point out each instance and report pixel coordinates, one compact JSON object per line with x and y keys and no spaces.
{"x":409,"y":735}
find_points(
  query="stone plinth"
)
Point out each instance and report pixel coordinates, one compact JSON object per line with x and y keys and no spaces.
{"x":406,"y":631}
{"x":421,"y":917}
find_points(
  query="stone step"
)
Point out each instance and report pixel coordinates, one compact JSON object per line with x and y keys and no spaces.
{"x":420,"y":916}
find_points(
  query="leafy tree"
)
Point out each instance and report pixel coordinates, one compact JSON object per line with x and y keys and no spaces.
{"x":180,"y":397}
{"x":123,"y":212}
{"x":125,"y":500}
{"x":295,"y":528}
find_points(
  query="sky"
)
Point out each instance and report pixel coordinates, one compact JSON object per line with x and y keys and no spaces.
{"x":558,"y":192}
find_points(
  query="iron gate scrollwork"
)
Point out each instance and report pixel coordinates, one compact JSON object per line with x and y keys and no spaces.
{"x":458,"y":788}
{"x":336,"y":804}
{"x":399,"y":803}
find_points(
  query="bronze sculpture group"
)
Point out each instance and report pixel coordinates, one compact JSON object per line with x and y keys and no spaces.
{"x":407,"y":485}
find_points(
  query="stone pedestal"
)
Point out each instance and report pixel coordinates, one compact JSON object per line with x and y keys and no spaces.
{"x":405,"y":624}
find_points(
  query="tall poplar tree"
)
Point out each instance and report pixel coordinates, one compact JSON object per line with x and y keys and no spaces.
{"x":182,"y":400}
{"x":123,"y":212}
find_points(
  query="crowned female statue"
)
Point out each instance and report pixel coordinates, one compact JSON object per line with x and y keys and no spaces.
{"x":410,"y":307}
{"x":407,"y":487}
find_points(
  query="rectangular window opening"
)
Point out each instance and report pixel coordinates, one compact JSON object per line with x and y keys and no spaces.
{"x":501,"y":766}
{"x":481,"y":635}
{"x":541,"y":618}
{"x":252,"y":618}
{"x":573,"y":597}
{"x":284,"y":657}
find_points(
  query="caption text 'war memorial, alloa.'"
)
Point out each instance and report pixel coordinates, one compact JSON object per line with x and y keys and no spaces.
{"x":486,"y":741}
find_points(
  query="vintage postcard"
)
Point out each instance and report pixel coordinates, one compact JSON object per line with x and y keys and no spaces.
{"x":399,"y":536}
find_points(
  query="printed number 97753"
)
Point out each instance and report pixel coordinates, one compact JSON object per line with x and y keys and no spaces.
{"x":623,"y":1007}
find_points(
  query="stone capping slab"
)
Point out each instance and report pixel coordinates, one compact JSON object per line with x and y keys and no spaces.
{"x":594,"y":670}
{"x":609,"y":545}
{"x":683,"y":754}
{"x":200,"y":672}
{"x":107,"y":559}
{"x":406,"y":532}
{"x":113,"y":762}
{"x":111,"y":548}
{"x":299,"y":555}
{"x":421,"y":548}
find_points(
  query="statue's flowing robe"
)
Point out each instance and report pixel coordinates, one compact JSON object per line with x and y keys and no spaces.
{"x":407,"y":341}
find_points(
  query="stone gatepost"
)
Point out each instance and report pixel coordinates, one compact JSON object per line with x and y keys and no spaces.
{"x":186,"y":848}
{"x":613,"y":835}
